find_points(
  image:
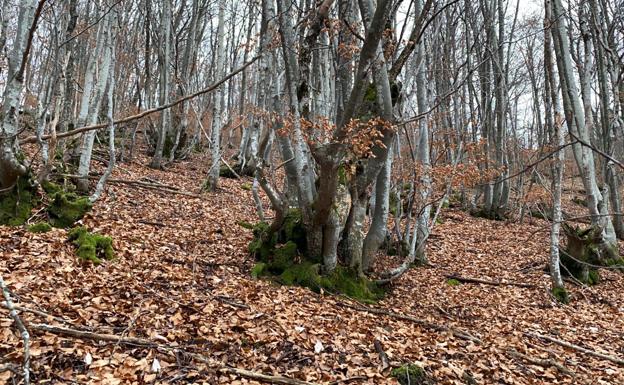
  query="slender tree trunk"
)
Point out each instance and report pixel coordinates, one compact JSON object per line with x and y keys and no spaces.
{"x":217,"y":111}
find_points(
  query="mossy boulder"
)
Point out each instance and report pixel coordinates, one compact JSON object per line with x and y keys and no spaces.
{"x":586,"y":252}
{"x":263,"y":243}
{"x":91,"y":246}
{"x":40,"y":227}
{"x":17,"y":203}
{"x":411,"y":374}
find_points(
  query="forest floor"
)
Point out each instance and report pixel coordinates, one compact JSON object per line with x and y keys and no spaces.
{"x":181,"y":278}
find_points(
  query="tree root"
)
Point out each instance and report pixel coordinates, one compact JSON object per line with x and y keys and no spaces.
{"x":137,"y":341}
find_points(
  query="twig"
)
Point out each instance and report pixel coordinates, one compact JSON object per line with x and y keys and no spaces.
{"x":426,"y":324}
{"x":488,"y":282}
{"x":541,"y":362}
{"x":22,"y":329}
{"x":136,"y":341}
{"x":581,"y":349}
{"x":383,"y":357}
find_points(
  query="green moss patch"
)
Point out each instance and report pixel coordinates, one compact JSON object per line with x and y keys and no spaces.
{"x":17,"y":203}
{"x":411,"y":374}
{"x":90,"y":246}
{"x":453,"y":282}
{"x":258,"y":270}
{"x":281,"y":256}
{"x":41,"y":227}
{"x":561,"y":294}
{"x":66,"y":208}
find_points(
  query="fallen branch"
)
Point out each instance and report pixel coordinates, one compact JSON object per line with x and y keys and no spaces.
{"x":541,"y":362}
{"x":487,"y":282}
{"x":79,"y":130}
{"x":426,"y":324}
{"x":137,"y":341}
{"x":21,"y":328}
{"x":581,"y":349}
{"x":138,"y":183}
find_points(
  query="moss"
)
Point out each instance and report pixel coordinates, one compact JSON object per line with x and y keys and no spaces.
{"x":225,"y":172}
{"x":90,"y":246}
{"x":16,"y":204}
{"x":410,"y":374}
{"x":66,"y":208}
{"x":41,"y":227}
{"x":345,"y":281}
{"x":283,"y":257}
{"x":371,"y":94}
{"x":245,"y":225}
{"x":304,"y":274}
{"x":342,"y":175}
{"x":561,"y":294}
{"x":246,"y":186}
{"x":453,"y":282}
{"x":615,"y":262}
{"x":293,"y":229}
{"x":258,"y":270}
{"x":51,"y":188}
{"x":263,"y":244}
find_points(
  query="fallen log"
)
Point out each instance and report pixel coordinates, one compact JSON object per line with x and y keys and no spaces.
{"x":425,"y":324}
{"x":581,"y":349}
{"x":546,"y":363}
{"x":488,"y":282}
{"x":137,"y":341}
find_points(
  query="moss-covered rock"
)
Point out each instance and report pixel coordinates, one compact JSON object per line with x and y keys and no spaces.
{"x":561,"y":294}
{"x":66,"y":208}
{"x":91,"y":246}
{"x":17,"y":203}
{"x":411,"y":374}
{"x":246,"y":186}
{"x":40,"y":227}
{"x":453,"y":282}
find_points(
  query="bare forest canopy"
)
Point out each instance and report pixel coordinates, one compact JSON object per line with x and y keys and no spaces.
{"x":346,"y":147}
